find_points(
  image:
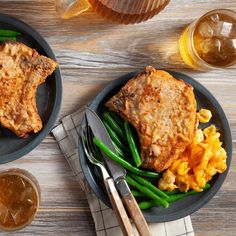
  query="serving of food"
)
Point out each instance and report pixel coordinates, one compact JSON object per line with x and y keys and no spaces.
{"x":169,"y":145}
{"x":153,"y":146}
{"x":163,"y":112}
{"x":200,"y":161}
{"x":22,"y":71}
{"x":28,"y":102}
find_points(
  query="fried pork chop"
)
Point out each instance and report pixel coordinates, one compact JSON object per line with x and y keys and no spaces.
{"x":163,"y":111}
{"x":22,"y":69}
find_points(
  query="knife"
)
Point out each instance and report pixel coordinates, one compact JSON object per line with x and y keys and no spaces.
{"x":118,"y":173}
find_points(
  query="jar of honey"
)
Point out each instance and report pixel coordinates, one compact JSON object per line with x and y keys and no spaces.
{"x":19,"y":199}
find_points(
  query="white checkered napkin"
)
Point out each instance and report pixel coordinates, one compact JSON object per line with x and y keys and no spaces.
{"x":105,"y":220}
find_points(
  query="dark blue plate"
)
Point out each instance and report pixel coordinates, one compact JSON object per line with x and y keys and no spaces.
{"x":49,"y":95}
{"x":189,"y":204}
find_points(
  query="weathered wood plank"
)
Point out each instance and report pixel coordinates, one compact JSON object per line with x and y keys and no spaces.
{"x":60,"y":223}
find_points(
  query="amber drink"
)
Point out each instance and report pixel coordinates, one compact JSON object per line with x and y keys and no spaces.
{"x":121,"y":11}
{"x":210,"y":42}
{"x":19,"y":199}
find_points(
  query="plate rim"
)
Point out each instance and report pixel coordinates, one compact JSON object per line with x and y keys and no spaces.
{"x":211,"y":192}
{"x":14,"y":22}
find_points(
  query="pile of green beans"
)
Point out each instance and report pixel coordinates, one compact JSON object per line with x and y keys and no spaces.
{"x":6,"y":34}
{"x":157,"y":197}
{"x":147,"y":192}
{"x":122,"y":137}
{"x":150,"y":186}
{"x":172,"y":198}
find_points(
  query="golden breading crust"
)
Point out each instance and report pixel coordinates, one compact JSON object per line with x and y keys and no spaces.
{"x":163,"y":111}
{"x":22,"y":69}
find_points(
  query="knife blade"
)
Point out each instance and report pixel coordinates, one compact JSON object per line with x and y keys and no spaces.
{"x":100,"y":132}
{"x":117,"y":172}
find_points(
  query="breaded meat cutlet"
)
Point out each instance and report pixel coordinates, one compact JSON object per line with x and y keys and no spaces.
{"x":163,"y":111}
{"x":22,"y":70}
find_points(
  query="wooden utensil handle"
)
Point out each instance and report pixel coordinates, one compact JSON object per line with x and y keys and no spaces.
{"x":137,"y":215}
{"x":118,"y":207}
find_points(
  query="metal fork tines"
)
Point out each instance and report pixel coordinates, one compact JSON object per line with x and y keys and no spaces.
{"x":92,"y":153}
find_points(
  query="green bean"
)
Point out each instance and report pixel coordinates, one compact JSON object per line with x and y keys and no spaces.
{"x":119,"y":151}
{"x":112,"y":123}
{"x":150,"y":186}
{"x":137,"y":193}
{"x":178,"y":196}
{"x":10,"y":33}
{"x":4,"y":38}
{"x":147,"y":204}
{"x":146,"y":191}
{"x":132,"y":145}
{"x":172,"y":192}
{"x":117,"y":119}
{"x":123,"y":162}
{"x":114,"y":136}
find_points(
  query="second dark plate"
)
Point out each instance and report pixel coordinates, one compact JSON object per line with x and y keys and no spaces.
{"x":49,"y":95}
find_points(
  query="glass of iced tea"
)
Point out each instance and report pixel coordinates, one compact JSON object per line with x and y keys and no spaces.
{"x":19,"y":199}
{"x":210,"y":42}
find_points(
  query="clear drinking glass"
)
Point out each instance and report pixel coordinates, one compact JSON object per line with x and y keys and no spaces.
{"x":19,"y":199}
{"x":210,"y":42}
{"x":122,"y":11}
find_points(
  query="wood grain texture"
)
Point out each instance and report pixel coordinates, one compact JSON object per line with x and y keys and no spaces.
{"x":92,"y":52}
{"x":137,"y":215}
{"x":119,"y":209}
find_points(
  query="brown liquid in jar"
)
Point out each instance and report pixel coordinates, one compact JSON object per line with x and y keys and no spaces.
{"x":128,"y":11}
{"x":122,"y":11}
{"x":19,"y":201}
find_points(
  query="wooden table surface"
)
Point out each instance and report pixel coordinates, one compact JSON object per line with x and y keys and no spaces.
{"x":92,"y":52}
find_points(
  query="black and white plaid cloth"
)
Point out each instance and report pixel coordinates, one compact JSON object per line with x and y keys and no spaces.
{"x":66,"y":134}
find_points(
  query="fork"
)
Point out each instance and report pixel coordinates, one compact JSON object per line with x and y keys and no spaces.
{"x":94,"y":156}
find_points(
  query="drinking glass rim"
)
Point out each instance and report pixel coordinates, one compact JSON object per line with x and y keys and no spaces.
{"x":192,"y":28}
